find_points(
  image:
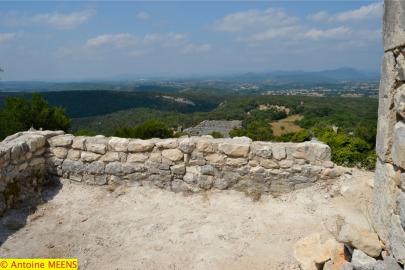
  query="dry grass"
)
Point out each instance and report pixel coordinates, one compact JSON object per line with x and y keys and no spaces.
{"x":286,"y":125}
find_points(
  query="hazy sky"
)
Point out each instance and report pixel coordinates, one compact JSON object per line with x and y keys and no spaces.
{"x":103,"y":40}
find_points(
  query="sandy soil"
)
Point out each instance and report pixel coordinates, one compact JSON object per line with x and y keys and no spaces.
{"x":145,"y":228}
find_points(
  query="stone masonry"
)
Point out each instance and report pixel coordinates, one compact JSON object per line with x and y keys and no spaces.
{"x":188,"y":164}
{"x":388,"y":209}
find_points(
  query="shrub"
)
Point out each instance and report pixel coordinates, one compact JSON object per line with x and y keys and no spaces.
{"x":149,"y":129}
{"x":217,"y":134}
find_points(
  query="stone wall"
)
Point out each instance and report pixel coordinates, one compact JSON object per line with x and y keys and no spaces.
{"x":189,"y":164}
{"x":22,"y":167}
{"x":388,"y":209}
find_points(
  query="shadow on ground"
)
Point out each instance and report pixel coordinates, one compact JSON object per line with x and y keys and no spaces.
{"x":16,"y":218}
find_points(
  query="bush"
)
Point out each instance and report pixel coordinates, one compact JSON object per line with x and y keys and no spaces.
{"x":217,"y":134}
{"x":85,"y":132}
{"x":348,"y":150}
{"x":20,"y":114}
{"x":149,"y":129}
{"x":256,"y":130}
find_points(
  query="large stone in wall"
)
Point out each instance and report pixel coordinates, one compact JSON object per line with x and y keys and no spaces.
{"x":384,"y":198}
{"x":386,"y":115}
{"x":394,"y":24}
{"x":396,"y":239}
{"x":398,"y":146}
{"x":235,"y":147}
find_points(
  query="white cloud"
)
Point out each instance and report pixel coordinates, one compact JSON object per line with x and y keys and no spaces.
{"x":288,"y":31}
{"x":60,"y":20}
{"x":332,"y":33}
{"x":136,"y":46}
{"x":320,"y":16}
{"x":246,"y":20}
{"x":196,"y":48}
{"x":368,"y":12}
{"x":53,"y":19}
{"x":6,"y":37}
{"x":142,"y":15}
{"x":115,"y":40}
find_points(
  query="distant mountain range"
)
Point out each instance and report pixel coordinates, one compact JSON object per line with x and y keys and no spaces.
{"x":135,"y":83}
{"x":323,"y":76}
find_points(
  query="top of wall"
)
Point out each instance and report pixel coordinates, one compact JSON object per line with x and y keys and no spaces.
{"x":394,"y":24}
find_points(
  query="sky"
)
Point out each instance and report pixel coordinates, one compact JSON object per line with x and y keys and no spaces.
{"x":81,"y":40}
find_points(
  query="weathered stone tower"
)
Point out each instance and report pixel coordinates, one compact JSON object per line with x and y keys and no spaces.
{"x":388,"y":209}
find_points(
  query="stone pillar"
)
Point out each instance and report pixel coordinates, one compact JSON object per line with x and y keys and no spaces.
{"x":388,"y":209}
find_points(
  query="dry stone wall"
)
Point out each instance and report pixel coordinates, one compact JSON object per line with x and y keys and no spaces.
{"x":22,"y":166}
{"x":388,"y":209}
{"x":189,"y":164}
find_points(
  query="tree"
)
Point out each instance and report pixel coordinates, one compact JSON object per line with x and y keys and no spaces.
{"x":149,"y":129}
{"x":20,"y":114}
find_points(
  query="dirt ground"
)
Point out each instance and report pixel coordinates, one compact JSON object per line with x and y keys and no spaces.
{"x":286,"y":125}
{"x":146,"y":228}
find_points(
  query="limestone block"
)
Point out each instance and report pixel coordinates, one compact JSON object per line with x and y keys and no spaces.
{"x":261,"y":149}
{"x":179,"y":169}
{"x":37,"y":161}
{"x":73,"y":166}
{"x":114,"y":168}
{"x":61,"y":140}
{"x":207,"y":170}
{"x":286,"y":163}
{"x":236,"y":162}
{"x":389,"y":263}
{"x":167,"y":143}
{"x":226,"y":180}
{"x":118,"y":144}
{"x":269,"y":164}
{"x":74,"y":154}
{"x":111,"y":156}
{"x":310,"y":252}
{"x":279,"y":152}
{"x":89,"y":156}
{"x":361,"y":261}
{"x":140,"y":145}
{"x":186,"y":145}
{"x":401,"y":206}
{"x":234,"y":148}
{"x":173,"y":154}
{"x":138,"y":157}
{"x":59,"y":152}
{"x":384,"y":198}
{"x":215,"y":159}
{"x":360,"y":238}
{"x":35,"y":142}
{"x":96,"y":167}
{"x":394,"y":24}
{"x":206,"y":146}
{"x":397,"y":239}
{"x":96,"y":145}
{"x":75,"y":177}
{"x":205,"y":181}
{"x":128,"y":168}
{"x":400,"y":100}
{"x":401,"y":67}
{"x":179,"y":185}
{"x":79,"y":142}
{"x":386,"y":116}
{"x":398,"y":146}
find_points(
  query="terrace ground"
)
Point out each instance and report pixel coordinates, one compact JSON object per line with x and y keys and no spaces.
{"x":130,"y":227}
